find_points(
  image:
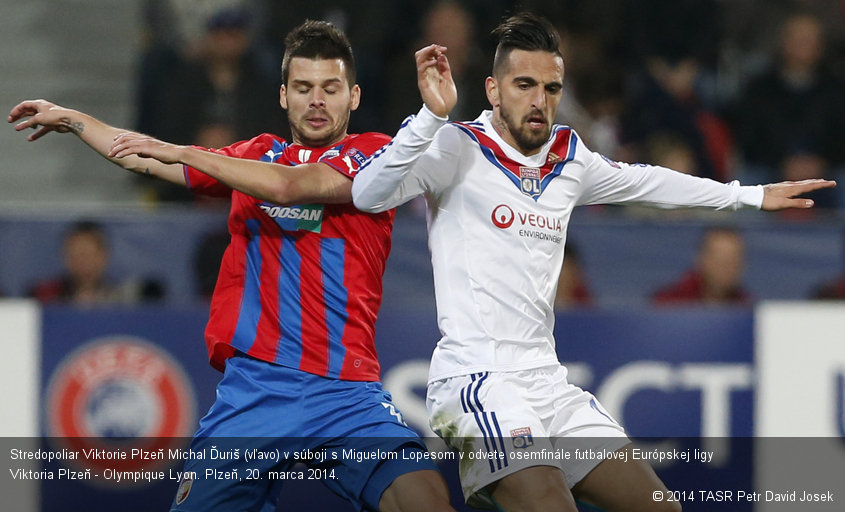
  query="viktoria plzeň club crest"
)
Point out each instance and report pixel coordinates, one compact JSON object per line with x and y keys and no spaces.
{"x":117,"y":394}
{"x":529,"y":181}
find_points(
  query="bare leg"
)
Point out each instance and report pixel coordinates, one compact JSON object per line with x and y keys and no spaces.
{"x":538,"y":488}
{"x":418,"y":491}
{"x":615,"y":485}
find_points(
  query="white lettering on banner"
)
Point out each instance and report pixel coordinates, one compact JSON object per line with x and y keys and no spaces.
{"x":716,"y":381}
{"x":401,"y":381}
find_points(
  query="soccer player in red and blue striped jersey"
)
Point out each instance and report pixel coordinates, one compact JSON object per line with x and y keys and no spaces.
{"x":293,"y":312}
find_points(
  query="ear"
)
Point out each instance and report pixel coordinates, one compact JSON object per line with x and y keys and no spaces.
{"x":354,"y":97}
{"x":492,"y":88}
{"x":283,"y":97}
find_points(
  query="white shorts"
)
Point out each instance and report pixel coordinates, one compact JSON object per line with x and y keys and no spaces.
{"x":502,"y":422}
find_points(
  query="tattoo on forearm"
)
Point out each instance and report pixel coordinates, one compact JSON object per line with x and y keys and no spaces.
{"x":68,"y":126}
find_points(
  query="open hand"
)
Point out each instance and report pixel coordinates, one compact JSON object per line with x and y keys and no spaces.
{"x":779,"y":196}
{"x":131,"y":143}
{"x":45,"y":117}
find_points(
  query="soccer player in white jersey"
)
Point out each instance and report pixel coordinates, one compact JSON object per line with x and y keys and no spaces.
{"x":500,"y":191}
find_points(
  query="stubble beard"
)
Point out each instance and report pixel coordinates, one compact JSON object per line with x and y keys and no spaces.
{"x":526,"y":140}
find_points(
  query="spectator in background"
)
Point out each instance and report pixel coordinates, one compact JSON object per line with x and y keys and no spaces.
{"x":218,"y":93}
{"x":572,"y":290}
{"x":671,"y":57}
{"x":664,"y":100}
{"x":85,"y":254}
{"x":717,"y":275}
{"x":452,"y":25}
{"x":671,"y":151}
{"x":790,"y":120}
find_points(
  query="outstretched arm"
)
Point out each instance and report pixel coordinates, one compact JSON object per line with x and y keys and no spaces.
{"x":46,"y":117}
{"x":276,"y":183}
{"x":617,"y":182}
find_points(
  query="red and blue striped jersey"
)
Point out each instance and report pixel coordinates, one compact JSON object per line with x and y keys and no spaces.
{"x":299,"y":286}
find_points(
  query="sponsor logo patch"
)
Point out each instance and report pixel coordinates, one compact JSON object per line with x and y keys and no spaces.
{"x":532,"y":225}
{"x":502,"y":216}
{"x":522,"y":437}
{"x":306,"y":217}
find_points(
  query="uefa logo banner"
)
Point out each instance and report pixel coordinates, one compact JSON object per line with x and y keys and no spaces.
{"x":119,"y":394}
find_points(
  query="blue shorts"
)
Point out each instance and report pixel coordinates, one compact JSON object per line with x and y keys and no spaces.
{"x":268,"y":418}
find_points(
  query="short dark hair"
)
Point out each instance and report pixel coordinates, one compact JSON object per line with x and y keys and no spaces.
{"x":318,"y":40}
{"x":87,"y":227}
{"x":524,"y":31}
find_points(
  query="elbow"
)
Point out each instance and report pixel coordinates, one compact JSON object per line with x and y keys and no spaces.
{"x":365,"y":204}
{"x":281,"y":194}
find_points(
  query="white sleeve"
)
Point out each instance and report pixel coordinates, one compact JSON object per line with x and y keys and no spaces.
{"x":417,"y":161}
{"x":608,"y":182}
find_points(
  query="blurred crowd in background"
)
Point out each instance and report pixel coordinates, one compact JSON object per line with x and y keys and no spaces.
{"x":726,"y":89}
{"x":749,"y":89}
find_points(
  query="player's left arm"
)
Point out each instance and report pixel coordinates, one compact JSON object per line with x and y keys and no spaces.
{"x":275,"y":183}
{"x":607,"y":182}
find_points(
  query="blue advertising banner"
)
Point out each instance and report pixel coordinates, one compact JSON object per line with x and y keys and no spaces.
{"x":678,"y":380}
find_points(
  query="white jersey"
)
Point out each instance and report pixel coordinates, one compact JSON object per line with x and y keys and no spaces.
{"x":497,"y":224}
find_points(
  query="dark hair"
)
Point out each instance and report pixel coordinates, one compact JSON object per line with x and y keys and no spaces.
{"x":87,"y":227}
{"x":524,"y":31}
{"x":318,"y":40}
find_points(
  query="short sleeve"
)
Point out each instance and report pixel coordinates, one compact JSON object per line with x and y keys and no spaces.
{"x":355,"y":152}
{"x":253,"y":149}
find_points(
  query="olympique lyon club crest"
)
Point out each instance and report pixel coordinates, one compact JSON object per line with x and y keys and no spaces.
{"x":522,"y":437}
{"x":529,"y":181}
{"x":120,"y":393}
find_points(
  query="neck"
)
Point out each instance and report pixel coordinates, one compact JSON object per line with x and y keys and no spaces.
{"x":299,"y":141}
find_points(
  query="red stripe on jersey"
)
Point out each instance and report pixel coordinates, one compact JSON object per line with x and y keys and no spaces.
{"x":314,"y":354}
{"x":268,"y":325}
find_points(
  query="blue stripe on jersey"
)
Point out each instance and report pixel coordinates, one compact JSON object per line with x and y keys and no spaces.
{"x":490,"y":156}
{"x":245,"y":330}
{"x":558,"y":168}
{"x":335,"y":295}
{"x":289,"y":349}
{"x":374,"y":156}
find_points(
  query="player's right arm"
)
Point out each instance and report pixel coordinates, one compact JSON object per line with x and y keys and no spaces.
{"x":411,"y":165}
{"x":46,"y":117}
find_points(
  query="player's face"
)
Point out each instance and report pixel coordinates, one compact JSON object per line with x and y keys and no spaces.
{"x":525,"y":98}
{"x":318,"y":99}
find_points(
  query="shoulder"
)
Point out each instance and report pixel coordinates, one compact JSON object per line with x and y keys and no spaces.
{"x":256,"y":146}
{"x":375,"y":137}
{"x":364,"y":143}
